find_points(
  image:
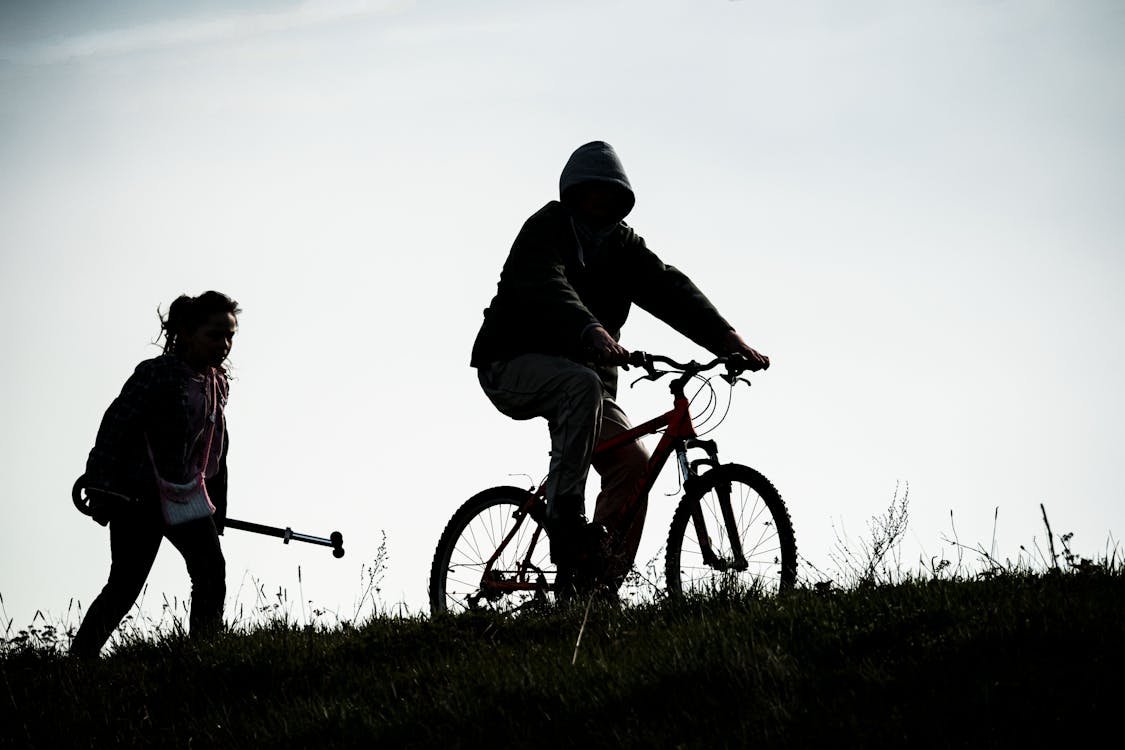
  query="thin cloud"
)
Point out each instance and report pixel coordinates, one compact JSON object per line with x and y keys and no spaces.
{"x":175,"y":33}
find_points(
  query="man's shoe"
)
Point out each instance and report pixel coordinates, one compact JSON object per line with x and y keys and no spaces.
{"x":593,"y":551}
{"x":581,"y":561}
{"x":565,"y":536}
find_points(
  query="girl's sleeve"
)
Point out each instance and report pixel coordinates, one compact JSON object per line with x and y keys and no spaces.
{"x":111,"y":464}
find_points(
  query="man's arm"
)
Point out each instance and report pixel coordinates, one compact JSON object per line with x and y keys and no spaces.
{"x":671,"y":296}
{"x":534,"y":283}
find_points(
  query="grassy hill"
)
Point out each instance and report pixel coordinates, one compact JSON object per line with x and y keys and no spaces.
{"x":1005,"y":660}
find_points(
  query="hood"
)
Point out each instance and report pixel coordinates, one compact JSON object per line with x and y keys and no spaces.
{"x":596,"y":161}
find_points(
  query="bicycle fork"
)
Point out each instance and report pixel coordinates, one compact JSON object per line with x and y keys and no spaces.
{"x":689,"y":470}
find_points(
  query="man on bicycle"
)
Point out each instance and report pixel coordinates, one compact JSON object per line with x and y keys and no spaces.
{"x":549,"y":347}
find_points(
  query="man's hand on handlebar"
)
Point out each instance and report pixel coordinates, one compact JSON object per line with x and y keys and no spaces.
{"x":732,"y":343}
{"x":604,"y":348}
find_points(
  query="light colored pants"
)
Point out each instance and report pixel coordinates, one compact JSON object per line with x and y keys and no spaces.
{"x":579,"y":415}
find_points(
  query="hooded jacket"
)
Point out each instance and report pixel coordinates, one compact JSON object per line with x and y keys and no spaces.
{"x":561,"y":278}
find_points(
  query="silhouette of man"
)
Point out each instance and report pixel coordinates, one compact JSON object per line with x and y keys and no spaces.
{"x":549,"y":345}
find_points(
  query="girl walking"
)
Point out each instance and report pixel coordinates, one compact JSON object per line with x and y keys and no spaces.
{"x":159,"y":469}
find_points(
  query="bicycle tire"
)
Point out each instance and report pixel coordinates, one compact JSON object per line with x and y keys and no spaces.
{"x":472,"y":535}
{"x":765,"y":532}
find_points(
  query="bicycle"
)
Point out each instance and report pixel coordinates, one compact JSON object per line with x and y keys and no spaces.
{"x":730,"y":529}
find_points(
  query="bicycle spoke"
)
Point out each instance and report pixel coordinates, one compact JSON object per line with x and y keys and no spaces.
{"x":463,"y":579}
{"x":759,"y":539}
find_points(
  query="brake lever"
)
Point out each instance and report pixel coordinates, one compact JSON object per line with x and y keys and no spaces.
{"x":734,"y":378}
{"x":653,"y":376}
{"x":736,"y":364}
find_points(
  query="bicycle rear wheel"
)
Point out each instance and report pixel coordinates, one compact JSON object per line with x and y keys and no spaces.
{"x":493,"y":555}
{"x":746,"y":546}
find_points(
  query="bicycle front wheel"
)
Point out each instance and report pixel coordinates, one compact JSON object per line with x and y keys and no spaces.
{"x":493,"y":555}
{"x":731,"y":533}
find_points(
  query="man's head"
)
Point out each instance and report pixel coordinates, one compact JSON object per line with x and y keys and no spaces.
{"x":593,"y":185}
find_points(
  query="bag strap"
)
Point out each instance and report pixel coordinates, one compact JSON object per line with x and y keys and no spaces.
{"x":214,"y":381}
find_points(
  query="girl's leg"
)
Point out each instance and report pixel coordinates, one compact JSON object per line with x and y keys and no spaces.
{"x":134,"y":538}
{"x":198,"y":542}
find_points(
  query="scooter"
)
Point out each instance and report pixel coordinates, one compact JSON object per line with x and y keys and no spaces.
{"x":335,"y":540}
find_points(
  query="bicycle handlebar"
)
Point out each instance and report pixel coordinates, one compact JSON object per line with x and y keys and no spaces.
{"x":735,"y":364}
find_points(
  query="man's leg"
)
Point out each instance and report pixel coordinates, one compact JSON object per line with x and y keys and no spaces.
{"x":621,"y":472}
{"x":569,"y":396}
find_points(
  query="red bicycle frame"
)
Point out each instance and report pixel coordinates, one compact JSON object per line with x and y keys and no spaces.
{"x":678,"y":429}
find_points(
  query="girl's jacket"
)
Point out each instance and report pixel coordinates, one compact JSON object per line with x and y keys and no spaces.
{"x":168,"y":403}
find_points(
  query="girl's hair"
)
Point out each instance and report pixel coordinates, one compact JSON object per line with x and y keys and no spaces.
{"x":186,"y":314}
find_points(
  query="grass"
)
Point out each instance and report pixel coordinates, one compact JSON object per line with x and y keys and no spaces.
{"x":1013,"y":655}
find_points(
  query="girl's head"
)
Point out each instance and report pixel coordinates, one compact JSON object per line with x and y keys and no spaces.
{"x":200,"y":330}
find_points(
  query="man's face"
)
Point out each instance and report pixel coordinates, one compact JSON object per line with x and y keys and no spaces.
{"x":599,"y":203}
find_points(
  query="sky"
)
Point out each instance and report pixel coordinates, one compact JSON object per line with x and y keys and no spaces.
{"x":913,"y":208}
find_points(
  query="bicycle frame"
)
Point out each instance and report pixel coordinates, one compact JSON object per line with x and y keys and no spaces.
{"x":679,"y":435}
{"x":678,"y":430}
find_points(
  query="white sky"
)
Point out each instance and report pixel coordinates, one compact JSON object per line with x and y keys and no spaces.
{"x":914,"y":208}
